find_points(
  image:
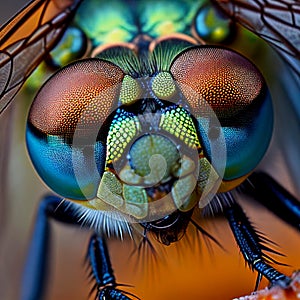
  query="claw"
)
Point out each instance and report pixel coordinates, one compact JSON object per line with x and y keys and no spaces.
{"x":291,"y":292}
{"x":112,"y":293}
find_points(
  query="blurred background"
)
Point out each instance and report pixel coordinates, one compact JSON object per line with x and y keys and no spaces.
{"x":189,"y":269}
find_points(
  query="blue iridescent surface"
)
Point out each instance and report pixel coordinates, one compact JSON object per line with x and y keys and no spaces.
{"x":67,"y":170}
{"x":246,"y":145}
{"x":246,"y":142}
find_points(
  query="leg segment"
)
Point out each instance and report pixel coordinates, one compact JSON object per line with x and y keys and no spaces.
{"x":36,"y":267}
{"x":102,"y":271}
{"x":250,"y":244}
{"x":34,"y":276}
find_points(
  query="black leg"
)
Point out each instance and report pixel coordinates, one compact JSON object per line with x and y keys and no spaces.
{"x":36,"y":268}
{"x":251,"y":244}
{"x":271,"y":194}
{"x":102,"y":271}
{"x":35,"y":272}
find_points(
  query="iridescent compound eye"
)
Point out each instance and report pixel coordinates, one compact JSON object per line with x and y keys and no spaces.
{"x":63,"y":125}
{"x":237,"y":93}
{"x":125,"y":143}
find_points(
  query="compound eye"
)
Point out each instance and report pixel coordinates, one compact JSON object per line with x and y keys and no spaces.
{"x":222,"y":82}
{"x":223,"y":79}
{"x":80,"y":96}
{"x":63,"y":126}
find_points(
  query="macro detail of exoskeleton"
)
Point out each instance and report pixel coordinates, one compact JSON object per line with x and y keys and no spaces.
{"x":144,"y":122}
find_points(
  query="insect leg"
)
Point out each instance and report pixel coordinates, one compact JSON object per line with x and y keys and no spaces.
{"x":36,"y":268}
{"x":251,"y":245}
{"x":276,"y":198}
{"x":102,"y":271}
{"x":34,"y":276}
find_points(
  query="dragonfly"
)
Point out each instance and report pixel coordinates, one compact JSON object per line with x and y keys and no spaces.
{"x":36,"y":48}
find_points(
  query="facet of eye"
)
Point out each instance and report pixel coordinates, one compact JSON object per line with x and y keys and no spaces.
{"x":124,"y":127}
{"x":163,"y":85}
{"x":64,"y":123}
{"x":211,"y":26}
{"x":219,"y":77}
{"x":177,"y":121}
{"x":130,"y":90}
{"x":71,"y":172}
{"x":223,"y":83}
{"x":80,"y":96}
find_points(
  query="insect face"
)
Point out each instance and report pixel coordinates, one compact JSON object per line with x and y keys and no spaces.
{"x":147,"y":144}
{"x":148,"y":131}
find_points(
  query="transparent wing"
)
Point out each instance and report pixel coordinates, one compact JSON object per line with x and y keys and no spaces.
{"x":26,"y":39}
{"x":277,"y":22}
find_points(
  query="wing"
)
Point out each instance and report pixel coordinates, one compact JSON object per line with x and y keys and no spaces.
{"x":277,"y":22}
{"x":27,"y":38}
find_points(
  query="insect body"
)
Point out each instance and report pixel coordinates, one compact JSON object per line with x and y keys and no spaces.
{"x":144,"y":134}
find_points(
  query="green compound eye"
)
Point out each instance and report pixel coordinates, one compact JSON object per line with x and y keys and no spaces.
{"x":130,"y":90}
{"x":178,"y":122}
{"x":163,"y":85}
{"x":123,"y":129}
